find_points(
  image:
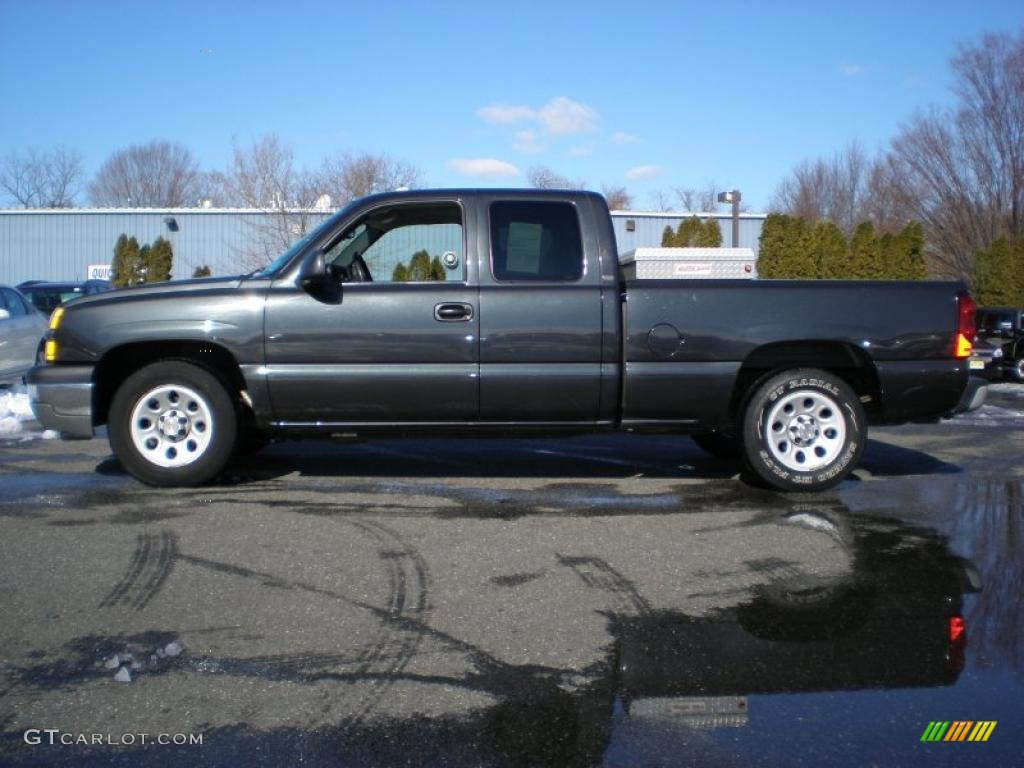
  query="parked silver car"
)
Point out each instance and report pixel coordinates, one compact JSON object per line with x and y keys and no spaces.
{"x":21,"y":335}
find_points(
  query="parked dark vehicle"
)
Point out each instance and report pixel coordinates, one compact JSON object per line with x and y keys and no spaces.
{"x":1003,"y":328}
{"x":498,"y":312}
{"x":985,"y":358}
{"x":48,"y":296}
{"x":21,"y":335}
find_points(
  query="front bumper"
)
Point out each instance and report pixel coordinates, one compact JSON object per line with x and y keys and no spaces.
{"x":61,"y":398}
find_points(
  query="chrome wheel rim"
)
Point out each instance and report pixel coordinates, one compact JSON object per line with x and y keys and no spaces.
{"x":805,"y":430}
{"x":171,"y":425}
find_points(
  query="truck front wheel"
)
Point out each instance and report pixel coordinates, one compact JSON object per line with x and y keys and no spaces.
{"x":803,"y":430}
{"x":172,"y":423}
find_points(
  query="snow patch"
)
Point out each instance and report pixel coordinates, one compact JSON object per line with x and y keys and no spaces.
{"x":990,"y":415}
{"x":173,"y":649}
{"x":14,"y":410}
{"x":1008,"y":387}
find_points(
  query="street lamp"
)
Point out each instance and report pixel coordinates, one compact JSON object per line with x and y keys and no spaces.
{"x":733,"y":197}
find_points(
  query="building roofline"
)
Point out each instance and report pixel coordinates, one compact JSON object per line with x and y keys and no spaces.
{"x":686,"y":214}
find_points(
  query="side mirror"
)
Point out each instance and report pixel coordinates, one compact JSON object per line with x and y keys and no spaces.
{"x":314,"y":273}
{"x":4,"y":314}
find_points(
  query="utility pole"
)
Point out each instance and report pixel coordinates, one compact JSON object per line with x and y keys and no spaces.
{"x":733,"y":197}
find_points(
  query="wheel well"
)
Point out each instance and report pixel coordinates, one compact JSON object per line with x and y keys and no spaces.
{"x":844,"y":360}
{"x":121,"y":362}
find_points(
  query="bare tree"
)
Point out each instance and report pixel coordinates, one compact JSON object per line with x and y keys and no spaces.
{"x":661,"y":200}
{"x":264,"y":177}
{"x":962,"y":171}
{"x":833,"y":188}
{"x":34,"y":179}
{"x":154,"y":175}
{"x":346,"y":177}
{"x":542,"y":177}
{"x":703,"y":199}
{"x":618,"y":198}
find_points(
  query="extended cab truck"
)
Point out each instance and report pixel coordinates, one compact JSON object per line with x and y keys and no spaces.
{"x":497,"y":311}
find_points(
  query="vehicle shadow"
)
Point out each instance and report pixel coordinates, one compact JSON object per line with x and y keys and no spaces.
{"x":609,"y":456}
{"x":589,"y":456}
{"x":888,"y":460}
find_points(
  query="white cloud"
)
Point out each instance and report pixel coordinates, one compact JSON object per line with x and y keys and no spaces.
{"x":562,"y":116}
{"x":526,"y":141}
{"x":505,"y":113}
{"x":483,"y":166}
{"x":851,"y":69}
{"x":639,"y":172}
{"x":621,"y":137}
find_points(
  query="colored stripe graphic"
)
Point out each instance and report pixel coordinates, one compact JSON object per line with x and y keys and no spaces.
{"x":982,"y":730}
{"x":935,"y":730}
{"x":958,"y":731}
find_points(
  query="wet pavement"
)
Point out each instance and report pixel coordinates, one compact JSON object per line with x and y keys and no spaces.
{"x":600,"y":600}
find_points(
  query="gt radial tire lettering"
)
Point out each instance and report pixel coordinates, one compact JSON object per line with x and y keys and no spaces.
{"x":775,"y":468}
{"x":818,"y":383}
{"x":840,"y":464}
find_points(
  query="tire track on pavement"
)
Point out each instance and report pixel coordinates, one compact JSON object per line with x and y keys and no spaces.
{"x":151,"y":564}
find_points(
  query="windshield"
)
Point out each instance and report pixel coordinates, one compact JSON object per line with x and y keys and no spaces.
{"x":48,"y":299}
{"x":277,"y":264}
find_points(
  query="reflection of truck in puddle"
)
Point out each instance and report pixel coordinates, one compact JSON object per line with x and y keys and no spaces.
{"x":895,"y":623}
{"x":892,"y":620}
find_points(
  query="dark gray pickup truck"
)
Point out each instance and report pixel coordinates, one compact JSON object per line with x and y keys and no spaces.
{"x":498,"y":312}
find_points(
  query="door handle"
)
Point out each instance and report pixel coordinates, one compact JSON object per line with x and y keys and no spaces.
{"x":456,"y":312}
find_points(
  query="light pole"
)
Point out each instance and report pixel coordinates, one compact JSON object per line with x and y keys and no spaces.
{"x":733,"y":197}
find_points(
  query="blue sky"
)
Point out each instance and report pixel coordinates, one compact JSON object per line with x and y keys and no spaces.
{"x":641,"y":94}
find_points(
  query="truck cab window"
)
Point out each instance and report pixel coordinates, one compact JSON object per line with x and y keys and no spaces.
{"x":402,"y":244}
{"x":537,"y":241}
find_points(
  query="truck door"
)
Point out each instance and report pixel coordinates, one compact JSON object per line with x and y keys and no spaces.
{"x":540,"y":315}
{"x":395,"y":340}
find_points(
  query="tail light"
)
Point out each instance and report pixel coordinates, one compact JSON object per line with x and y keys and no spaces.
{"x":956,"y":650}
{"x":965,"y":327}
{"x":957,"y":629}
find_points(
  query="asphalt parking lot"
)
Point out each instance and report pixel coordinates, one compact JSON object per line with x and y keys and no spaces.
{"x":610,"y":599}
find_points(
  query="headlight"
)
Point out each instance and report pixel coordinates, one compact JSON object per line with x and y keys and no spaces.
{"x":998,"y":352}
{"x":56,"y":317}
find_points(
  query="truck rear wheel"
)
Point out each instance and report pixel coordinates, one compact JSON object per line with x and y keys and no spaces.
{"x":803,"y":430}
{"x":172,"y":423}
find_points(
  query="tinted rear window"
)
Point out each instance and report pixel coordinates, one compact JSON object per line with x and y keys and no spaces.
{"x":536,"y":241}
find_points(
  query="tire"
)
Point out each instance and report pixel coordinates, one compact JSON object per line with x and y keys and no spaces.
{"x":172,"y":423}
{"x":718,"y":444}
{"x":1017,"y":372}
{"x":803,"y":430}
